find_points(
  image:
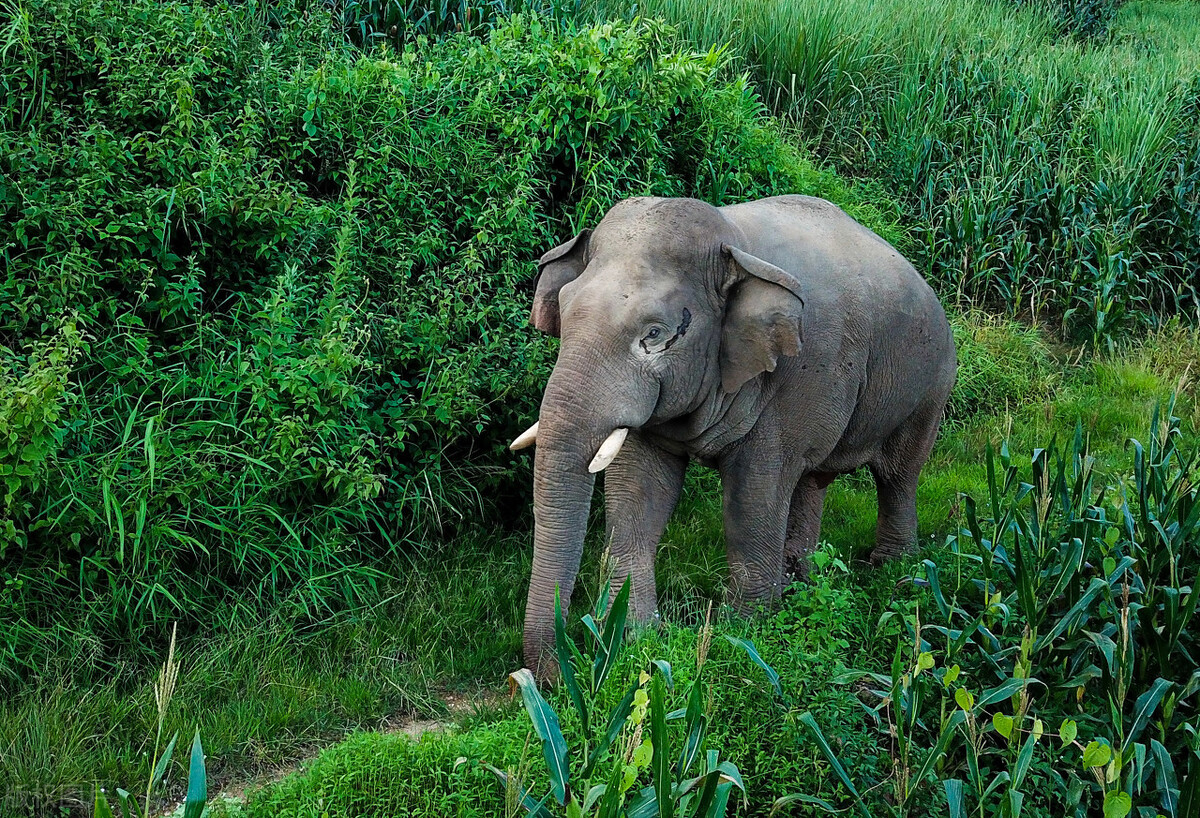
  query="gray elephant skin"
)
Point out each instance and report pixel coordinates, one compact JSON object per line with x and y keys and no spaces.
{"x":779,"y":341}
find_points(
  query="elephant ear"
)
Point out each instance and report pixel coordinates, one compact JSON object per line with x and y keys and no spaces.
{"x":763,"y":310}
{"x":557,"y":268}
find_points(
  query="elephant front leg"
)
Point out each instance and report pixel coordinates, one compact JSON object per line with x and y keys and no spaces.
{"x":756,"y":516}
{"x":641,"y":488}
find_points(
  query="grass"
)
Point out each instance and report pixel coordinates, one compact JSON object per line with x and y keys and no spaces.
{"x":1042,"y":174}
{"x":269,"y":692}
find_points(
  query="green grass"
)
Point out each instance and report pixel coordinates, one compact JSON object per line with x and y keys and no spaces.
{"x":275,"y":690}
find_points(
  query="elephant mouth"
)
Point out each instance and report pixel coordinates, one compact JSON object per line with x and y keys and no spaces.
{"x":605,"y":455}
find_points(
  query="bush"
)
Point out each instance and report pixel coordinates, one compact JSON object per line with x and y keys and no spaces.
{"x":296,"y":279}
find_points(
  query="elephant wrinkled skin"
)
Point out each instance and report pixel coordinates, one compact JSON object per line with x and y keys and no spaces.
{"x":777,"y":340}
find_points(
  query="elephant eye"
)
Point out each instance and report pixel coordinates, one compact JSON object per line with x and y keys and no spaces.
{"x":654,"y":333}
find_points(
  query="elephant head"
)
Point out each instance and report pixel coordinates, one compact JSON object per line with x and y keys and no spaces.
{"x":660,"y":311}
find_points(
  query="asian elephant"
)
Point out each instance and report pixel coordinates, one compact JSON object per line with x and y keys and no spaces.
{"x":777,"y":340}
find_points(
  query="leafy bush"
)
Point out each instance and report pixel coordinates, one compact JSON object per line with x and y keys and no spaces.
{"x":297,"y":279}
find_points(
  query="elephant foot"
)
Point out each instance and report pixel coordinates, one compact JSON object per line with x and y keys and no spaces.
{"x":883,"y":552}
{"x":796,"y":567}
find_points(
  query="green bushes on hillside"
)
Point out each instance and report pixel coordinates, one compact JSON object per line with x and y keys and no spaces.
{"x":263,"y":316}
{"x":1042,"y":175}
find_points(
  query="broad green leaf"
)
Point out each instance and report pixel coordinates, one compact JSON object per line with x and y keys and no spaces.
{"x":1147,"y":703}
{"x":1096,"y":754}
{"x":752,"y":652}
{"x":545,"y":724}
{"x":950,"y":675}
{"x":1003,"y":724}
{"x":1117,"y":804}
{"x":567,"y":668}
{"x":1067,"y":732}
{"x":101,"y":809}
{"x":160,"y":769}
{"x":964,"y":699}
{"x":613,"y":638}
{"x":197,"y":789}
{"x":924,"y":661}
{"x":955,"y":798}
{"x":808,"y":721}
{"x":799,"y":798}
{"x":660,"y":764}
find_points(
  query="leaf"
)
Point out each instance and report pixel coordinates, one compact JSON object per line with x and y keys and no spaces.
{"x":567,"y":667}
{"x":924,"y":661}
{"x":660,"y":764}
{"x":1096,"y":754}
{"x":534,"y":808}
{"x":1147,"y":703}
{"x":1067,"y":732}
{"x":950,"y":675}
{"x":808,"y":721}
{"x":1003,"y":724}
{"x":939,"y":749}
{"x":614,"y":635}
{"x":160,"y":769}
{"x":964,"y":699}
{"x":799,"y":798}
{"x":545,"y":724}
{"x":954,"y":797}
{"x":197,"y":789}
{"x":101,"y":809}
{"x":616,"y":722}
{"x":752,"y":652}
{"x":1117,"y":804}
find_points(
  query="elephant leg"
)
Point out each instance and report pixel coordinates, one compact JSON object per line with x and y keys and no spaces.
{"x":896,"y":472}
{"x":757,"y":502}
{"x":804,"y":522}
{"x":641,"y":488}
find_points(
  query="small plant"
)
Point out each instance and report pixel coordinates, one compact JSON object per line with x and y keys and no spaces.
{"x":197,"y":789}
{"x":631,"y":741}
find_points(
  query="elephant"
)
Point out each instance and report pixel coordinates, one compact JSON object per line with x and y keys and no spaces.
{"x":777,"y":340}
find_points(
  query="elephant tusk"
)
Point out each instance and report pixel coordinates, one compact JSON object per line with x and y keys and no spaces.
{"x":608,"y":450}
{"x":526,"y":438}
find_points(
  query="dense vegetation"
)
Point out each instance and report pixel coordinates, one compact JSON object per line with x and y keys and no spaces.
{"x":265,"y":297}
{"x":262,"y":339}
{"x":1046,"y":175}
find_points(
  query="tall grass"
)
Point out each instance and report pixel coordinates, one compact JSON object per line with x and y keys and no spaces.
{"x":1046,"y":174}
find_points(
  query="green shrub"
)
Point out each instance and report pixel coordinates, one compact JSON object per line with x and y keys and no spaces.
{"x":298,"y":278}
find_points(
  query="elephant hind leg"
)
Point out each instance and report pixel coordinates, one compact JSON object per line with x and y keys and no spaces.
{"x":804,"y":523}
{"x":896,"y":472}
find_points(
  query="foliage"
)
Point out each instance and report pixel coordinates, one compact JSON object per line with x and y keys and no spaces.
{"x":632,"y":741}
{"x":1041,"y":175}
{"x":1069,"y":617}
{"x":398,"y":23}
{"x":296,"y":280}
{"x":1001,"y":364}
{"x":197,"y":785}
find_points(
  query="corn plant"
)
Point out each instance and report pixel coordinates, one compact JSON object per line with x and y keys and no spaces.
{"x":615,"y":749}
{"x":1055,"y":662}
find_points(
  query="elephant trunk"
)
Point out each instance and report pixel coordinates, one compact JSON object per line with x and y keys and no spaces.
{"x":575,"y":431}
